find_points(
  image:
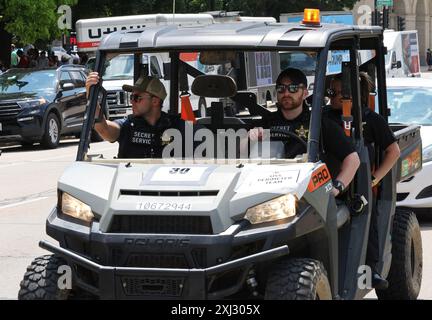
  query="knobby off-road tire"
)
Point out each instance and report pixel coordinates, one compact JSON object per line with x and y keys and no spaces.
{"x":298,"y":279}
{"x":40,"y":280}
{"x":405,"y":274}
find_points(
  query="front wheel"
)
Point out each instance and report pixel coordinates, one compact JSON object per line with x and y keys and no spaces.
{"x":51,"y":136}
{"x":41,"y":280}
{"x":406,"y":269}
{"x":298,"y":279}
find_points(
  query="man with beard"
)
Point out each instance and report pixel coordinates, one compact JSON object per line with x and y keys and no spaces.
{"x":294,"y":116}
{"x":140,"y":135}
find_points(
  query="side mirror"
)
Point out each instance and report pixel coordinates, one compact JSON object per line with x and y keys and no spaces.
{"x":67,"y":86}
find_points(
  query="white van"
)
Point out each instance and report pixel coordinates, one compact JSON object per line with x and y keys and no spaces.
{"x":403,"y":56}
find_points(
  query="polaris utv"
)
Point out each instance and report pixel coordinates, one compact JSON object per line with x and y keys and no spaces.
{"x":231,"y":226}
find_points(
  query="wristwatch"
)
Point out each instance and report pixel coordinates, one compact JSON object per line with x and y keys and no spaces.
{"x":339,"y":186}
{"x":375,"y":181}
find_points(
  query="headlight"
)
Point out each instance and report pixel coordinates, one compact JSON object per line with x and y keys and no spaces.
{"x":76,"y":209}
{"x":276,"y":209}
{"x":32,"y":103}
{"x":427,"y":153}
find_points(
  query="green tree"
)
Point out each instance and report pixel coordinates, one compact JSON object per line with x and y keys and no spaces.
{"x":105,"y":8}
{"x":29,"y":21}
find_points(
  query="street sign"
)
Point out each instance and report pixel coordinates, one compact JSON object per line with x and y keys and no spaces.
{"x":387,"y":3}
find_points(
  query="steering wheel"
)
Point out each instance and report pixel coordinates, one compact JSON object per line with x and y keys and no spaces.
{"x":289,"y":134}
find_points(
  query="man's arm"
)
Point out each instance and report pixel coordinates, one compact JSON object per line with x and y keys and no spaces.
{"x":108,"y":130}
{"x":348,"y":170}
{"x":391,"y":155}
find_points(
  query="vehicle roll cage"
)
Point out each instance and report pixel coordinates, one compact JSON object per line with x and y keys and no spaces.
{"x":344,"y":38}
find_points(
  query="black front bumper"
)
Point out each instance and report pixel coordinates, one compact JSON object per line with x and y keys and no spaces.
{"x":31,"y":129}
{"x":172,"y":283}
{"x":169,"y":266}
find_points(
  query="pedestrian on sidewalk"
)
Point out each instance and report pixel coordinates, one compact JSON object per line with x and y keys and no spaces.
{"x":429,"y":59}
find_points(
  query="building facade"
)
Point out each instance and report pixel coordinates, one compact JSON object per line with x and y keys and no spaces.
{"x":417,"y":14}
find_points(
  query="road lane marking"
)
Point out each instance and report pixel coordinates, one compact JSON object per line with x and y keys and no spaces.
{"x":22,"y":203}
{"x":47,"y":159}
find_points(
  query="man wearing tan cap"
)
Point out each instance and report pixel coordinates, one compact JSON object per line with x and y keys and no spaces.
{"x":140,"y":134}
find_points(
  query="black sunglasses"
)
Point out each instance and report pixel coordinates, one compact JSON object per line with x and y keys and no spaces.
{"x":137,"y":97}
{"x":331,"y":93}
{"x":292,"y":88}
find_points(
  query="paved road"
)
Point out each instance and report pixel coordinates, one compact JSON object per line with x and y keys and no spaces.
{"x":28,"y":184}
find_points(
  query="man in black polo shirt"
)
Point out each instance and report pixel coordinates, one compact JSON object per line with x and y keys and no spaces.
{"x":140,"y":135}
{"x":292,"y":115}
{"x":377,"y":134}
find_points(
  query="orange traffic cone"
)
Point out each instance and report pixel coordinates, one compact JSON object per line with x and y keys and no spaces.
{"x":186,"y":109}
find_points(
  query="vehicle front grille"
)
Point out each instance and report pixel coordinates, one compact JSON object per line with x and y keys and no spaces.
{"x":401,"y":196}
{"x":175,"y":261}
{"x":408,"y":180}
{"x":153,"y":286}
{"x":161,"y":224}
{"x":9,"y":110}
{"x":118,"y":100}
{"x":425,"y":193}
{"x":139,"y":193}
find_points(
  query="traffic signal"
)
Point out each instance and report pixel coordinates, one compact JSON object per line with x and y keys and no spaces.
{"x":400,"y":23}
{"x":385,"y":18}
{"x":377,"y":18}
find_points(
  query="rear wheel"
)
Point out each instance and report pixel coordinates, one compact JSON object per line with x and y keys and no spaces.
{"x":51,"y":137}
{"x":41,"y":280}
{"x":407,"y":259}
{"x":298,"y":279}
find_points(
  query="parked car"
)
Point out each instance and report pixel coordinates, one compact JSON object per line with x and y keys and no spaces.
{"x":59,"y":52}
{"x":410,"y":101}
{"x":40,"y":105}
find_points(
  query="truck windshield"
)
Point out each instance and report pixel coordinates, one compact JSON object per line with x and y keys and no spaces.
{"x":19,"y":81}
{"x":304,"y":61}
{"x":120,"y":68}
{"x":409,"y":105}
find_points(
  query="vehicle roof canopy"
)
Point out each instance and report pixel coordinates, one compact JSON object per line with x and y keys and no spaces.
{"x":246,"y":35}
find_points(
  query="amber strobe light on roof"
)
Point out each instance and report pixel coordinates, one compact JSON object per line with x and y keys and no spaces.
{"x":311,"y":17}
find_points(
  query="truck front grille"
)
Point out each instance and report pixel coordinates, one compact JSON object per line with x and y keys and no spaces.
{"x":118,"y":102}
{"x":9,"y":110}
{"x":161,"y":224}
{"x":153,"y":286}
{"x":148,"y":193}
{"x":175,"y":261}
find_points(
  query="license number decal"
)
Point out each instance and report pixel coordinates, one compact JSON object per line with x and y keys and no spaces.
{"x":164,"y":206}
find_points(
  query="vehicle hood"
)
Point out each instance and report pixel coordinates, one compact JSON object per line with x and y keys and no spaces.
{"x":116,"y":84}
{"x":223,"y":192}
{"x":19,"y":96}
{"x":426,"y":135}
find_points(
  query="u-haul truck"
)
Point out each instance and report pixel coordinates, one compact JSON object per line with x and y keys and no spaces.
{"x":119,"y":70}
{"x":90,"y":31}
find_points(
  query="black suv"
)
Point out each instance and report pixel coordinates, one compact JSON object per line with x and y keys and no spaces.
{"x":40,"y":105}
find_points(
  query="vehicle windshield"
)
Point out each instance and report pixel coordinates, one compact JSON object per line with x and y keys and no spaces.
{"x":410,"y":105}
{"x":253,"y":72}
{"x":25,"y":81}
{"x":120,"y":68}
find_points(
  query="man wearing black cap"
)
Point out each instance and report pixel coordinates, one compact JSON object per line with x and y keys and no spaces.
{"x":292,"y":115}
{"x":140,"y":135}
